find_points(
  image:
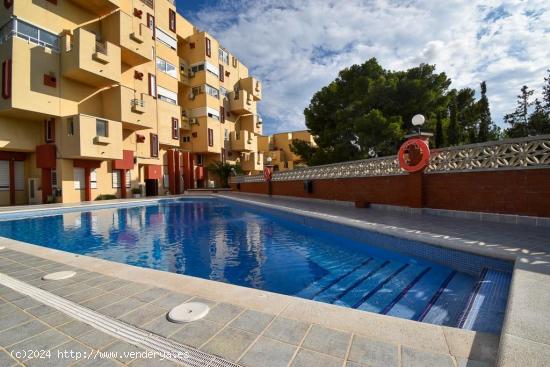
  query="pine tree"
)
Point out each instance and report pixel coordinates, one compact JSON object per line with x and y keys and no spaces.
{"x":484,"y":115}
{"x":453,"y":131}
{"x":519,"y":119}
{"x":546,"y":93}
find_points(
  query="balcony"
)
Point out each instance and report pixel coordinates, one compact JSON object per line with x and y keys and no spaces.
{"x":80,"y":139}
{"x":251,"y":123}
{"x":99,"y":7}
{"x":243,"y":141}
{"x":90,"y":62}
{"x":253,"y":86}
{"x":252,"y":162}
{"x":136,"y":111}
{"x":241,"y":102}
{"x":134,"y":38}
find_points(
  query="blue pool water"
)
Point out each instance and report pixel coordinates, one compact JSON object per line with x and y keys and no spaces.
{"x":219,"y":240}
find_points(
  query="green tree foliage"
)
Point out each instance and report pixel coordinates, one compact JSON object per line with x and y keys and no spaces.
{"x":368,"y":109}
{"x":223,"y":171}
{"x":530,"y":117}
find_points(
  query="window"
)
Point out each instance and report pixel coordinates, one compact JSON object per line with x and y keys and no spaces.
{"x":49,"y":131}
{"x":6,"y":79}
{"x":167,"y":95}
{"x":198,"y":67}
{"x":197,"y":90}
{"x":116,"y":179}
{"x":93,"y":179}
{"x":208,"y":47}
{"x":151,"y":23}
{"x":212,"y":113}
{"x":221,"y":73}
{"x":223,"y":56}
{"x":212,"y":91}
{"x":222,"y":114}
{"x":19,"y":172}
{"x":78,"y":175}
{"x":185,"y":139}
{"x":152,"y":85}
{"x":199,"y":159}
{"x":166,"y":67}
{"x":102,"y":128}
{"x":31,"y":34}
{"x":166,"y":181}
{"x":166,"y":39}
{"x":234,"y":61}
{"x":223,"y":92}
{"x":175,"y":128}
{"x":172,"y":20}
{"x":210,"y":137}
{"x":213,"y":69}
{"x":225,"y":134}
{"x":4,"y":175}
{"x":70,"y":126}
{"x":154,"y":145}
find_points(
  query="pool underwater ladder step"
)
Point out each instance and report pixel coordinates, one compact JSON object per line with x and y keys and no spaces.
{"x":436,"y":295}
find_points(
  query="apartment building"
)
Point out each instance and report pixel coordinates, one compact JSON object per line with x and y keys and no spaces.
{"x":277,"y":147}
{"x":103,"y":96}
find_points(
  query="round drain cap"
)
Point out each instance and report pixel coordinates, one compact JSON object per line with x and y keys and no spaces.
{"x":188,"y":312}
{"x":60,"y":275}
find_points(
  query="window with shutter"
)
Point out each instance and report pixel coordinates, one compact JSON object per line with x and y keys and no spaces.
{"x":172,"y":20}
{"x":151,"y":23}
{"x":154,"y":145}
{"x":153,"y":85}
{"x":93,"y":179}
{"x":221,"y":73}
{"x":175,"y":128}
{"x":19,"y":171}
{"x":4,"y":176}
{"x":222,"y":114}
{"x":49,"y":130}
{"x":78,"y":175}
{"x":210,"y":137}
{"x":208,"y":47}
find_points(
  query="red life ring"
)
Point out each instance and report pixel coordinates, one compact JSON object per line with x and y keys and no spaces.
{"x":414,"y":155}
{"x":267,"y":174}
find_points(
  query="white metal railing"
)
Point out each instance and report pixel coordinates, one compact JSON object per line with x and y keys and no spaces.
{"x":149,"y":3}
{"x":30,"y":33}
{"x":137,"y":102}
{"x":522,"y":153}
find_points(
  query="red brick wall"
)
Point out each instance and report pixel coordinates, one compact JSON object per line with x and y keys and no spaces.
{"x":524,"y":192}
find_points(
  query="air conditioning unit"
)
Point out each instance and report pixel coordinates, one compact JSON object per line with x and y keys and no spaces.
{"x":193,"y":121}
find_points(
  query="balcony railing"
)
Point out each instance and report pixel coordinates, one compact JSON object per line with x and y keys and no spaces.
{"x":149,"y":3}
{"x":30,"y":33}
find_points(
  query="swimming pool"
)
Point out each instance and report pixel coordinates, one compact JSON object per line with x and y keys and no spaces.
{"x":218,"y":239}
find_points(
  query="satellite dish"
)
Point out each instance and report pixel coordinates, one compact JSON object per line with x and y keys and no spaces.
{"x":418,"y":120}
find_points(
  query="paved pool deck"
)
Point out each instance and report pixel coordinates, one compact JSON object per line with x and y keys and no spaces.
{"x":257,"y":328}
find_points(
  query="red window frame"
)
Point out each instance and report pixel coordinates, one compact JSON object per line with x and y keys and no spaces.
{"x":154,"y":145}
{"x":208,"y":47}
{"x":175,"y":128}
{"x":210,"y":137}
{"x":6,"y":79}
{"x":172,"y":20}
{"x":49,"y":131}
{"x":150,"y":24}
{"x":222,"y":114}
{"x":221,"y":73}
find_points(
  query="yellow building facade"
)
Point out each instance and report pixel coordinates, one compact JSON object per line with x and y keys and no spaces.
{"x":277,"y":147}
{"x":108,"y":97}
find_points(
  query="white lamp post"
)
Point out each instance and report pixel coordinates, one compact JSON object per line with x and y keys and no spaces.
{"x":418,"y":120}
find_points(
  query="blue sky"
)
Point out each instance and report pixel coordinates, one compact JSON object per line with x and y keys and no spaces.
{"x":297,"y":46}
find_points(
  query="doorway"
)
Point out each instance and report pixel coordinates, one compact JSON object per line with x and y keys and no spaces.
{"x":151,"y":188}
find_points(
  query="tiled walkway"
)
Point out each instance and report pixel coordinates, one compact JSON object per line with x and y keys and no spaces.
{"x":250,"y":337}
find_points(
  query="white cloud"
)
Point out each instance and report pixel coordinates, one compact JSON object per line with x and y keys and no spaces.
{"x":297,"y":47}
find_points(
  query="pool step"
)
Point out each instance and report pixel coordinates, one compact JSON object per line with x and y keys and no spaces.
{"x":485,"y":308}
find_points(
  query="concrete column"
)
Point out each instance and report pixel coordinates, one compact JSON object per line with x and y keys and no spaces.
{"x":12,"y":182}
{"x":177,"y":172}
{"x":46,"y":183}
{"x":87,"y":185}
{"x":171,"y":172}
{"x":123,"y":183}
